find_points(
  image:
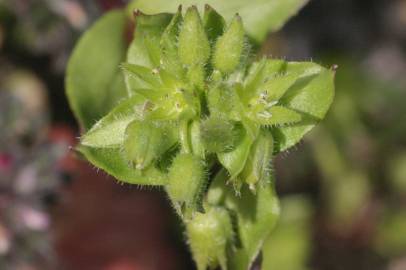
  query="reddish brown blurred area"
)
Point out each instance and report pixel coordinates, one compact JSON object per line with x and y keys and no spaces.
{"x":100,"y":224}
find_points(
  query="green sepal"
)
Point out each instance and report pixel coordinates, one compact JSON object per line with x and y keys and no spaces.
{"x":175,"y":104}
{"x":234,"y":161}
{"x":255,"y":78}
{"x":145,"y":141}
{"x":257,"y":169}
{"x":259,"y":75}
{"x":144,"y":49}
{"x":196,"y":75}
{"x":147,"y":78}
{"x":169,"y":46}
{"x":113,"y":162}
{"x":196,"y":144}
{"x":252,"y":127}
{"x":110,"y":130}
{"x":190,"y":138}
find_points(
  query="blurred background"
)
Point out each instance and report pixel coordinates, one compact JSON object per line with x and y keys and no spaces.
{"x":342,"y":190}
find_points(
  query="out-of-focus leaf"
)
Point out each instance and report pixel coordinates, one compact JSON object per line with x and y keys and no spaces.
{"x":94,"y":82}
{"x":255,"y":215}
{"x":260,"y":16}
{"x":288,"y":246}
{"x":390,"y":240}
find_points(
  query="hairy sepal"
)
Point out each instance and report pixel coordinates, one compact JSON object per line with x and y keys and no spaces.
{"x":186,"y":180}
{"x":209,"y":235}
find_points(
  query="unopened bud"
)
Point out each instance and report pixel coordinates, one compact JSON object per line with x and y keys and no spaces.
{"x":143,"y":143}
{"x":217,"y":134}
{"x":229,"y":47}
{"x":186,"y":182}
{"x":194,"y":47}
{"x":209,"y":235}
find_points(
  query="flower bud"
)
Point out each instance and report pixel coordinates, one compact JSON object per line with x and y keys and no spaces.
{"x":194,"y":47}
{"x":229,"y":47}
{"x":144,"y":142}
{"x":186,"y":181}
{"x":217,"y":134}
{"x":209,"y":236}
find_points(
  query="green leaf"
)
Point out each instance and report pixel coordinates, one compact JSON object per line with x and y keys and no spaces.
{"x":112,"y":161}
{"x":276,"y":87}
{"x":260,"y":16}
{"x":277,"y":116}
{"x":256,"y":215}
{"x":311,"y":96}
{"x":110,"y":130}
{"x":94,"y":83}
